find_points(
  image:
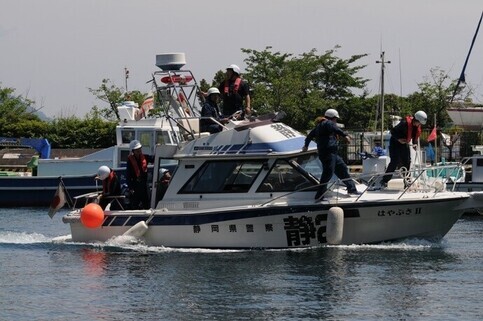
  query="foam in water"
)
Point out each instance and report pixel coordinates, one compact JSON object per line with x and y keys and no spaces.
{"x":22,"y":238}
{"x":131,"y":243}
{"x":408,"y":245}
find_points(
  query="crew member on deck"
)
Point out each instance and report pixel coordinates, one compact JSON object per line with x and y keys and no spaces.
{"x":137,"y":176}
{"x":164,"y":179}
{"x":111,"y":187}
{"x":234,"y":90}
{"x":408,"y":130}
{"x":211,"y":111}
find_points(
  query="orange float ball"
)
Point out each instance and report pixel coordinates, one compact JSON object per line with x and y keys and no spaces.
{"x":92,"y":215}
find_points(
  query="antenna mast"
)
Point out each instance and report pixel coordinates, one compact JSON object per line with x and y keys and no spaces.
{"x":383,"y":63}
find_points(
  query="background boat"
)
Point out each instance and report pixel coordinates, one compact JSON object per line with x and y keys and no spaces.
{"x":37,"y":187}
{"x":468,"y":118}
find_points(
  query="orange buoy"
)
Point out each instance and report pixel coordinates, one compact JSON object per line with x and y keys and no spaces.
{"x":92,"y":215}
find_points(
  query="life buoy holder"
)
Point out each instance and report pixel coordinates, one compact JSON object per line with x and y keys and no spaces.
{"x":182,"y":79}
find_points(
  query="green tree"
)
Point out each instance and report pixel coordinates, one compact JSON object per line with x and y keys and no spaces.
{"x":433,"y":97}
{"x":90,"y":132}
{"x":304,"y":86}
{"x":18,"y":118}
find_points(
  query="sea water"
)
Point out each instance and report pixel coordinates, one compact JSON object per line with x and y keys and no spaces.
{"x":43,"y":276}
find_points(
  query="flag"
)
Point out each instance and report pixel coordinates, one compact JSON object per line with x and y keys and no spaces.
{"x":446,"y":139}
{"x":432,"y":136}
{"x":59,"y":200}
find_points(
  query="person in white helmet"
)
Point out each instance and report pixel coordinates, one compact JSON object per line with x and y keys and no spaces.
{"x":163,"y":183}
{"x":111,"y":187}
{"x":326,"y":133}
{"x":209,"y":111}
{"x":234,"y":90}
{"x":137,"y":176}
{"x":403,"y":135}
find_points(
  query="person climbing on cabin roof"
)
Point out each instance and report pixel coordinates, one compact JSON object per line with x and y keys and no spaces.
{"x":326,"y":133}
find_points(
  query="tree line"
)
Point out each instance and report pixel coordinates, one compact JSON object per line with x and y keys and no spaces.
{"x":301,"y":86}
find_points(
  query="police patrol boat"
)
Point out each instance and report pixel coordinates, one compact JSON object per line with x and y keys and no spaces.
{"x":252,"y":186}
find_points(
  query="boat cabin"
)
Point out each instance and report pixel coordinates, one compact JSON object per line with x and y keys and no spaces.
{"x":208,"y":171}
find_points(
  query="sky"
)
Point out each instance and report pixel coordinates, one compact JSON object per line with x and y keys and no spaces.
{"x":52,"y":51}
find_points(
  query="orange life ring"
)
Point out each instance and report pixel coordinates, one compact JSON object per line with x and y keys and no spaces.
{"x":176,"y":79}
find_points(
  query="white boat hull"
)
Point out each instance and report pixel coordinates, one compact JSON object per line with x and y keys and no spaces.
{"x":281,"y":226}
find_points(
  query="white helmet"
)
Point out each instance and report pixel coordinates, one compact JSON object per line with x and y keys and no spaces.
{"x":135,"y":144}
{"x":421,"y":117}
{"x":331,"y":113}
{"x":213,"y":90}
{"x":235,"y":68}
{"x":103,"y":172}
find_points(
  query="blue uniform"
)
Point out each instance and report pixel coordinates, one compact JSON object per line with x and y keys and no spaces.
{"x":326,"y":134}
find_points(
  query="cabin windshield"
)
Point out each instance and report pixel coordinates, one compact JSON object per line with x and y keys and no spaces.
{"x":224,"y":177}
{"x":309,"y":163}
{"x":287,"y":176}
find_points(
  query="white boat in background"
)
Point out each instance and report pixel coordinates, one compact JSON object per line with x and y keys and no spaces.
{"x":468,"y":118}
{"x":251,"y":186}
{"x":78,"y":173}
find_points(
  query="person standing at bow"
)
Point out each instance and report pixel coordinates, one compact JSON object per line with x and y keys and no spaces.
{"x":137,"y":176}
{"x":408,"y":130}
{"x":234,"y":91}
{"x":326,"y":134}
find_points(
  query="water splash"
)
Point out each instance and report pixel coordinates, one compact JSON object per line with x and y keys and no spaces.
{"x":407,"y":245}
{"x":9,"y":237}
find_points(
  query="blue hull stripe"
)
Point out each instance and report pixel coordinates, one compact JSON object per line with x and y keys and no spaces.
{"x":198,"y":219}
{"x":350,"y":210}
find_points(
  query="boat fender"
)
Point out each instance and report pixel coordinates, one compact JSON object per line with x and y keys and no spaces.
{"x":439,"y":186}
{"x":395,"y":184}
{"x":137,"y":230}
{"x":335,"y":225}
{"x":92,"y":215}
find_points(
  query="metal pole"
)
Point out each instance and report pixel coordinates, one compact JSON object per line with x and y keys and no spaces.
{"x":126,"y":76}
{"x":435,"y":142}
{"x":382,"y":62}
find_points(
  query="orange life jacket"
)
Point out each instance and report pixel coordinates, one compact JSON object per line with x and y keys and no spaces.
{"x":106,"y":184}
{"x":134,"y":163}
{"x":409,"y":136}
{"x":235,"y":86}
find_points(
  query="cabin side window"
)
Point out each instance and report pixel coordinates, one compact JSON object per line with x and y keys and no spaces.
{"x":127,"y":136}
{"x":224,"y":177}
{"x":283,"y":177}
{"x":146,"y":139}
{"x":161,"y":138}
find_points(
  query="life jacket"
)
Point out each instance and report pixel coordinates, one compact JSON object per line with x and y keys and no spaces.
{"x":409,"y":136}
{"x":236,"y":86}
{"x":106,"y":184}
{"x":134,"y":163}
